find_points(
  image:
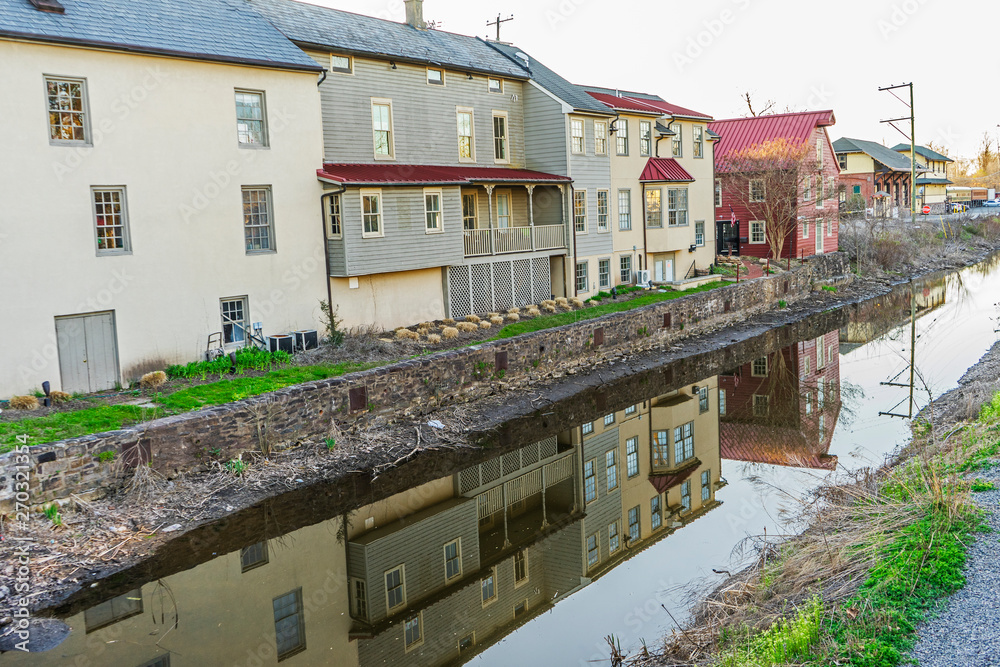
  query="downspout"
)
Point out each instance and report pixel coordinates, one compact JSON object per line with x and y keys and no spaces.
{"x":644,"y":257}
{"x":326,"y":247}
{"x":572,"y":229}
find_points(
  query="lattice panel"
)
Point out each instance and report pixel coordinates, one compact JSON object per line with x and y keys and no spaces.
{"x":503,"y":289}
{"x":522,"y":282}
{"x":529,"y":455}
{"x":468,"y":479}
{"x":482,"y":288}
{"x":548,"y":447}
{"x":511,"y":463}
{"x":491,"y":470}
{"x":541,"y":280}
{"x":459,"y":294}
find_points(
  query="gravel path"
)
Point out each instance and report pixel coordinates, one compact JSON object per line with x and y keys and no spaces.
{"x":967,"y":631}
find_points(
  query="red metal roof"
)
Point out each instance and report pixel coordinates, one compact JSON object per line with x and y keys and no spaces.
{"x":644,"y":105}
{"x":740,"y":133}
{"x":662,"y":483}
{"x":671,"y":109}
{"x":664,"y":170}
{"x":415,"y":174}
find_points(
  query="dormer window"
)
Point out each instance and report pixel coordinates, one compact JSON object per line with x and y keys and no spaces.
{"x":496,"y":85}
{"x":342,"y":64}
{"x":435,"y":77}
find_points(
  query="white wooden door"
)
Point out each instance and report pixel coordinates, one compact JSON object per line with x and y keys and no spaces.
{"x":663,"y":270}
{"x":819,"y":237}
{"x":88,"y":352}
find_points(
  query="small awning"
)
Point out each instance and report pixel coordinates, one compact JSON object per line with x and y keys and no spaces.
{"x":413,"y":174}
{"x":933,"y":181}
{"x":664,"y":170}
{"x":663,"y":482}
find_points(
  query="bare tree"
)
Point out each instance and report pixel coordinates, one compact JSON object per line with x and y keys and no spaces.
{"x":768,"y":106}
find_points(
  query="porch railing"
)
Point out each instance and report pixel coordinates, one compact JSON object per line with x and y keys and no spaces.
{"x":506,"y":240}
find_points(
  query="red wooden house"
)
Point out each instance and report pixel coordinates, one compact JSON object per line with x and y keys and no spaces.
{"x":816,"y":227}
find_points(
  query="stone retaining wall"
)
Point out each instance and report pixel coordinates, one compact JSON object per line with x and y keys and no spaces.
{"x":304,"y":412}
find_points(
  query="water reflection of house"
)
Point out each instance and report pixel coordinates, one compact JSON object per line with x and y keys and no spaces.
{"x":782,"y":408}
{"x":874,"y":318}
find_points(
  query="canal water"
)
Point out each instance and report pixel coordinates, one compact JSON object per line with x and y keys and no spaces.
{"x":601,"y":516}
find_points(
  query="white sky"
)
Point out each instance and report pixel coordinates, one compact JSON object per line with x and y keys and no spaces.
{"x":802,"y":54}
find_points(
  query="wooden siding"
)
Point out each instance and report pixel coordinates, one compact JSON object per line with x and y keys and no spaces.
{"x":544,"y":133}
{"x":338,"y":257}
{"x":607,"y":508}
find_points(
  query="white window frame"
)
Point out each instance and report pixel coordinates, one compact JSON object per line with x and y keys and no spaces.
{"x":269,"y":212}
{"x":590,"y":481}
{"x":754,"y":197}
{"x":718,"y":193}
{"x":587,"y":428}
{"x":593,"y":549}
{"x":505,"y":139}
{"x":84,"y":111}
{"x":722,"y":401}
{"x":122,"y":193}
{"x":674,"y":210}
{"x":683,"y":437}
{"x":335,"y":213}
{"x":402,"y":584}
{"x":440,"y":70}
{"x":614,"y":536}
{"x":243,"y":330}
{"x":578,"y":142}
{"x":601,"y":282}
{"x":585,"y":277}
{"x":754,"y":372}
{"x":499,"y":87}
{"x":638,"y":523}
{"x":369,"y":192}
{"x":829,"y":226}
{"x":754,"y":225}
{"x":624,"y":260}
{"x":655,"y":512}
{"x":625,"y":215}
{"x":527,"y":575}
{"x":264,"y":138}
{"x":609,"y":419}
{"x":349,"y":70}
{"x":621,"y":136}
{"x":419,"y":617}
{"x":632,"y":457}
{"x":506,"y":196}
{"x":698,"y":141}
{"x":676,"y":141}
{"x":699,"y":237}
{"x":439,"y":229}
{"x":611,"y":469}
{"x":645,"y":138}
{"x":475,"y":211}
{"x":576,"y":215}
{"x":459,"y":111}
{"x":458,"y":551}
{"x":761,"y":405}
{"x":386,"y":102}
{"x":604,"y":219}
{"x":492,"y":574}
{"x":706,"y":485}
{"x":650,"y":223}
{"x":300,"y":621}
{"x":805,"y":229}
{"x":600,"y":135}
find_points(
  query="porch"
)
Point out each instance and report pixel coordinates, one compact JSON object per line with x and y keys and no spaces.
{"x":516,"y":218}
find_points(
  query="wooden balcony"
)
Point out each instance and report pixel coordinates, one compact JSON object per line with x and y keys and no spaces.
{"x":506,"y":240}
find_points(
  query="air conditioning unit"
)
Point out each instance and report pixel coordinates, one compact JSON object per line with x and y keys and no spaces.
{"x":642,"y":278}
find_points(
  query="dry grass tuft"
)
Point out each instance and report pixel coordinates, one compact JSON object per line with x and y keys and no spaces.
{"x":449,"y":332}
{"x":153,"y":380}
{"x":448,"y":321}
{"x":577,"y":302}
{"x":60,"y":396}
{"x":562,"y":302}
{"x":485,"y":324}
{"x":549,"y":307}
{"x":533,"y":311}
{"x":406,"y":334}
{"x":496,"y":319}
{"x":423,"y":329}
{"x":513,"y":311}
{"x":548,"y":302}
{"x":472,"y":318}
{"x":492,"y":315}
{"x":513,"y":317}
{"x":433,"y":339}
{"x":24,"y":403}
{"x":467,"y":327}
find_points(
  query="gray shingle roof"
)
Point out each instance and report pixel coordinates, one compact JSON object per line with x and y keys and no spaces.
{"x":356,"y":34}
{"x":890,"y":158}
{"x":571,"y":94}
{"x":923,"y":151}
{"x":224,"y":30}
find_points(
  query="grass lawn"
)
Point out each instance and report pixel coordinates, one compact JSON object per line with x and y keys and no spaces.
{"x":570,"y":317}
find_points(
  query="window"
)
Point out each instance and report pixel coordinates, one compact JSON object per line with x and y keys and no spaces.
{"x":857,"y":189}
{"x":632,"y":457}
{"x":466,"y":136}
{"x":706,"y":485}
{"x":820,"y":393}
{"x":819,"y":155}
{"x":718,"y":193}
{"x":699,"y":141}
{"x":807,"y":188}
{"x":613,"y":541}
{"x":452,"y":559}
{"x":676,"y":142}
{"x":68,"y":112}
{"x":661,"y":449}
{"x":334,"y":217}
{"x":625,"y":269}
{"x":593,"y":553}
{"x":722,"y":402}
{"x":495,"y":85}
{"x":621,"y":136}
{"x":822,"y":427}
{"x":253,"y":556}
{"x":114,"y":610}
{"x":602,"y":211}
{"x":683,"y":443}
{"x":503,"y":210}
{"x":111,"y":221}
{"x":761,"y":405}
{"x":757,"y":190}
{"x":805,"y":230}
{"x":520,"y":567}
{"x":289,"y":624}
{"x":759,"y":368}
{"x":631,"y":410}
{"x":820,"y":361}
{"x":435,"y":77}
{"x":382,"y":129}
{"x":587,"y":428}
{"x":371,"y":213}
{"x":655,"y":516}
{"x":576,"y":132}
{"x":805,"y":365}
{"x":645,"y":138}
{"x":342,"y":64}
{"x":500,"y":138}
{"x":582,"y":281}
{"x":589,"y":482}
{"x":809,"y":403}
{"x":609,"y":419}
{"x":412,"y":636}
{"x":360,"y":599}
{"x":611,"y":461}
{"x":756,"y":231}
{"x":653,"y":218}
{"x":432,"y":210}
{"x":702,"y":400}
{"x":677,"y":207}
{"x":842,"y":160}
{"x":580,"y":211}
{"x":488,"y":586}
{"x":686,"y":496}
{"x":699,"y":233}
{"x":234,"y":320}
{"x":520,"y":608}
{"x":604,"y":273}
{"x":633,"y":524}
{"x":466,"y":642}
{"x":600,"y":137}
{"x":624,"y":210}
{"x":250,"y":120}
{"x":470,"y":210}
{"x":258,"y":223}
{"x":829,"y":226}
{"x":395,"y":588}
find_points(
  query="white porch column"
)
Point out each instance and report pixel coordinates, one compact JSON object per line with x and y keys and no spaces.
{"x":489,"y":216}
{"x":531,"y":213}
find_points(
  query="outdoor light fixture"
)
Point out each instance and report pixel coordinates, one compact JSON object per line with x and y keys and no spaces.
{"x":392,"y":64}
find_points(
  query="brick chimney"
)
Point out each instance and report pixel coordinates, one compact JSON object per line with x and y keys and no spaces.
{"x":415,"y":14}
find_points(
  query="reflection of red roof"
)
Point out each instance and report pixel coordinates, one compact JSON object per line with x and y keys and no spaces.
{"x":644,"y":105}
{"x":740,"y":133}
{"x":664,"y":482}
{"x":415,"y":174}
{"x":773,"y":445}
{"x":664,"y":170}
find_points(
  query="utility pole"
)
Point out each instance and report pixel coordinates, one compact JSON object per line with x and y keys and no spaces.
{"x":499,"y":22}
{"x":913,"y":143}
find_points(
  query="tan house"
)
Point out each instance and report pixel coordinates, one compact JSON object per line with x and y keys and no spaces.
{"x":159,"y":188}
{"x":932,"y":185}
